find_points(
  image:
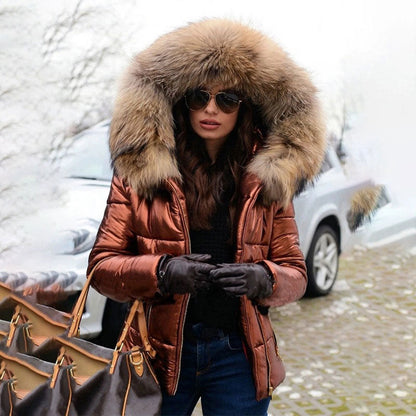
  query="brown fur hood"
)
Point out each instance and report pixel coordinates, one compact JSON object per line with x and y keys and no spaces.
{"x":142,"y":140}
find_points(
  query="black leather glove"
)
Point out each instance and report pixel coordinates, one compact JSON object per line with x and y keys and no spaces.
{"x":238,"y":279}
{"x":184,"y":274}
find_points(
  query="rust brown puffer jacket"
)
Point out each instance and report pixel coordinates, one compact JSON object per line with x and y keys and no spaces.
{"x":146,"y":215}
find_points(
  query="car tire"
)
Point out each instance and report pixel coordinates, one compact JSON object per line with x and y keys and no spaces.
{"x":322,"y":261}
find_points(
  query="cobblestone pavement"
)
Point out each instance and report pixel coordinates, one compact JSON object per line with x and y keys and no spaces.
{"x":354,"y":351}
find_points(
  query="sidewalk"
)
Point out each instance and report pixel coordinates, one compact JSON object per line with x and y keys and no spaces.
{"x":353,"y":352}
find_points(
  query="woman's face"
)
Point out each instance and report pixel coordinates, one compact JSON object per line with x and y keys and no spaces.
{"x":212,"y":124}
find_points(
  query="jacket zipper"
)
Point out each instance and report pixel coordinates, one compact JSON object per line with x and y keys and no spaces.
{"x":188,"y":249}
{"x":269,"y":384}
{"x":148,"y":312}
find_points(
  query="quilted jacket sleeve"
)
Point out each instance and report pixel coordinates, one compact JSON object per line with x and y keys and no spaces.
{"x":121,"y":273}
{"x":285,"y":260}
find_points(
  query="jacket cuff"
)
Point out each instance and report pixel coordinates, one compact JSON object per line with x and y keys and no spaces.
{"x":273,"y":282}
{"x":161,"y":273}
{"x":269,"y":273}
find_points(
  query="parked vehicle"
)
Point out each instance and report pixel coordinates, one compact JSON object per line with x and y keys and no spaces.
{"x":322,"y":217}
{"x":58,"y":265}
{"x":50,"y":264}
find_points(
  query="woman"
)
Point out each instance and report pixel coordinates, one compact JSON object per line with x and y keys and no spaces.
{"x":214,"y":131}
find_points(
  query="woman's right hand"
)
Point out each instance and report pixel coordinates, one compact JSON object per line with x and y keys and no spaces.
{"x":184,"y":274}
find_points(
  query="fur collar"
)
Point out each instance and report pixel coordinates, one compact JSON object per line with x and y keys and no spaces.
{"x":142,"y":142}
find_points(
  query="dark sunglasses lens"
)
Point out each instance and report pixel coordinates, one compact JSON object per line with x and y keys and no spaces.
{"x":197,"y":99}
{"x":227,"y":101}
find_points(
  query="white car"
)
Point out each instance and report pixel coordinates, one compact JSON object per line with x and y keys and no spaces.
{"x":64,"y":235}
{"x":50,"y":264}
{"x":323,"y":217}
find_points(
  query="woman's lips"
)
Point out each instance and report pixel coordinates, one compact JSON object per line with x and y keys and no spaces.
{"x":209,"y":124}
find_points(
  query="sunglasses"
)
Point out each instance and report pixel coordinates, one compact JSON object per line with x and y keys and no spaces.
{"x":227,"y":102}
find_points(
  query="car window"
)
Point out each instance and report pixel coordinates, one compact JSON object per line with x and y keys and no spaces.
{"x":88,"y":157}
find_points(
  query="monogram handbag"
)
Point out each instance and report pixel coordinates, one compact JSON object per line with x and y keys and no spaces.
{"x":43,"y":321}
{"x":86,"y":379}
{"x":29,"y":386}
{"x":127,"y":385}
{"x":109,"y":381}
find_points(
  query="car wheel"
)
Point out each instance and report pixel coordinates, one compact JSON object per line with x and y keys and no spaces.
{"x":322,"y":261}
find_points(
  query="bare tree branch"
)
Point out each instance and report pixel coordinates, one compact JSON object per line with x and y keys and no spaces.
{"x":57,"y":78}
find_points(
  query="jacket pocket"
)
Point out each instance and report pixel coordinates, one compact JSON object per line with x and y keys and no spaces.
{"x":277,"y":371}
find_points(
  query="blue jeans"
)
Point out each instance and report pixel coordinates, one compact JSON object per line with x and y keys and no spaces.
{"x":214,"y":368}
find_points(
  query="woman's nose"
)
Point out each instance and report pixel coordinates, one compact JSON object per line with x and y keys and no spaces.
{"x":212,"y":105}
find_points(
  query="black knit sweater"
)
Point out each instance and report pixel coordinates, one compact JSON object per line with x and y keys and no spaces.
{"x":214,"y":307}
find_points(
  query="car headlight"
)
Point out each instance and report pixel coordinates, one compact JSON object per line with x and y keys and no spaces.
{"x":81,"y":239}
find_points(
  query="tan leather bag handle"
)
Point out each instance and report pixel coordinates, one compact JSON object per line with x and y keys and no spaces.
{"x":80,"y":305}
{"x":136,"y":307}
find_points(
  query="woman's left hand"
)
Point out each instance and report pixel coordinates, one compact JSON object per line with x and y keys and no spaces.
{"x":238,"y":279}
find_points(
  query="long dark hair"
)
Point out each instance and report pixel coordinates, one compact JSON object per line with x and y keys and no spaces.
{"x":205,"y":182}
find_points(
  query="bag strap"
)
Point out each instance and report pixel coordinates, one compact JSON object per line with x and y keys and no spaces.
{"x":136,"y":307}
{"x":80,"y":305}
{"x":143,"y":331}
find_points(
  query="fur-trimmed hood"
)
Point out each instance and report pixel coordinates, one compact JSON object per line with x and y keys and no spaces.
{"x":142,"y":139}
